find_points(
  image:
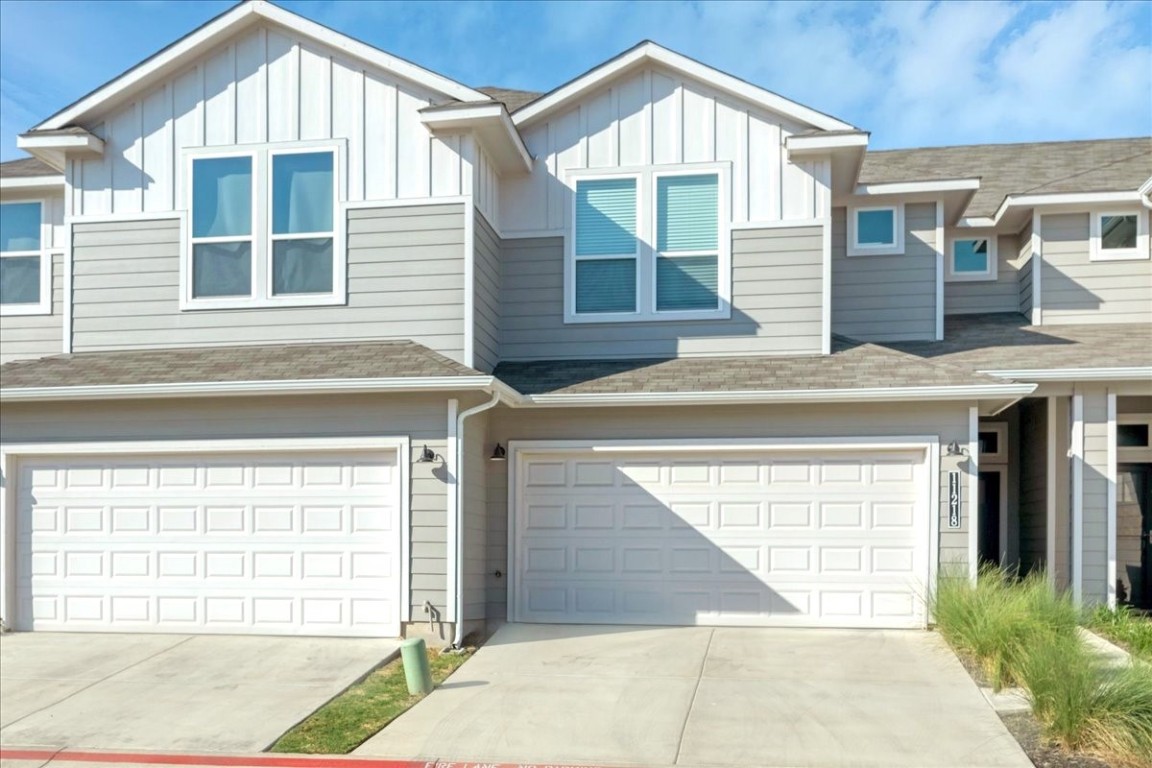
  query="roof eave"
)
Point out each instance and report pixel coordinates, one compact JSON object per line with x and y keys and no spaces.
{"x":30,"y":183}
{"x":55,"y":148}
{"x":491,"y":124}
{"x":1125,"y":373}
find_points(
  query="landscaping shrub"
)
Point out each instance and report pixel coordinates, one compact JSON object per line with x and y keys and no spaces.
{"x":1122,"y":626}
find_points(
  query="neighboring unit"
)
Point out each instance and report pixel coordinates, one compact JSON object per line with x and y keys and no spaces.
{"x":302,"y":338}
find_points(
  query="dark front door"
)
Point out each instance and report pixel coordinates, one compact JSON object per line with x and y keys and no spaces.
{"x":989,"y":539}
{"x":1134,"y":532}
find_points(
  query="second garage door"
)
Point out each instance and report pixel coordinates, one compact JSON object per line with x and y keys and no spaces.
{"x":835,"y":539}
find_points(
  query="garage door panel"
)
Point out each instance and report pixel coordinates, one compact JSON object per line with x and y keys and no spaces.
{"x":793,"y":539}
{"x":282,"y":543}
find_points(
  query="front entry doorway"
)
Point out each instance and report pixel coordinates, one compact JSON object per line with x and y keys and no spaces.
{"x":992,"y":534}
{"x":1134,"y":534}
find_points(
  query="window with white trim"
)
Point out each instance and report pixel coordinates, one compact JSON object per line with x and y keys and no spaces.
{"x":25,"y":264}
{"x":649,"y":245}
{"x":263,"y":228}
{"x":972,"y":258}
{"x":1119,"y":235}
{"x":876,"y":230}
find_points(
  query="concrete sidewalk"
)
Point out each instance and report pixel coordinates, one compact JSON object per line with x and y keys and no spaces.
{"x":716,"y":697}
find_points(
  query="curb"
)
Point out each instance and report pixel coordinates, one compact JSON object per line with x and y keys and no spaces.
{"x":49,"y":756}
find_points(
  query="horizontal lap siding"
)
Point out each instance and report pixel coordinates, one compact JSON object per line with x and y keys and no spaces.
{"x":486,"y":309}
{"x":475,"y":518}
{"x":1077,"y":290}
{"x":776,"y":305}
{"x":979,"y":296}
{"x":421,"y":418}
{"x":948,"y":421}
{"x":1095,"y":493}
{"x":405,"y":281}
{"x":886,"y":298}
{"x":24,"y":337}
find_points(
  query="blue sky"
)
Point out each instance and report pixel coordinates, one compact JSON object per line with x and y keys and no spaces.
{"x":914,"y":73}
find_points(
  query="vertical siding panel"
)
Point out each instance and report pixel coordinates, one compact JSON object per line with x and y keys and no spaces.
{"x":124,"y":152}
{"x":632,"y":100}
{"x":220,"y":98}
{"x":318,"y":95}
{"x":446,"y":166}
{"x":157,"y":152}
{"x":413,"y":147}
{"x":731,"y":125}
{"x":799,"y":191}
{"x":188,"y":127}
{"x":379,"y":139}
{"x":763,"y":165}
{"x":699,"y":127}
{"x":283,"y":88}
{"x":566,"y":151}
{"x":666,"y":125}
{"x":251,"y":90}
{"x":348,"y":121}
{"x":601,"y":133}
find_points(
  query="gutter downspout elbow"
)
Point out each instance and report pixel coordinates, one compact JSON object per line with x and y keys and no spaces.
{"x":458,"y":555}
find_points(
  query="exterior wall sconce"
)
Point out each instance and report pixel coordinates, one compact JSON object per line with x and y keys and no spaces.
{"x":954,"y":449}
{"x":498,"y":453}
{"x":427,"y":456}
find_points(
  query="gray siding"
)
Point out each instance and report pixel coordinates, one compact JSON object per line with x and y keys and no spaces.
{"x":421,"y":417}
{"x":776,"y":305}
{"x":1033,"y":462}
{"x":1095,"y":493}
{"x":887,"y":298}
{"x":475,"y":519}
{"x":24,"y":337}
{"x":1076,"y":290}
{"x":405,"y":281}
{"x":947,"y":420}
{"x":980,"y":296}
{"x":486,"y":309}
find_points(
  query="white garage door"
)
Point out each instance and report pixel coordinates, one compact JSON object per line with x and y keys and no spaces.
{"x":273,"y":543}
{"x":833,"y":539}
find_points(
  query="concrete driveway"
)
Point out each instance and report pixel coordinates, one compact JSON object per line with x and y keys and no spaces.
{"x":170,"y":692}
{"x":715,"y":697}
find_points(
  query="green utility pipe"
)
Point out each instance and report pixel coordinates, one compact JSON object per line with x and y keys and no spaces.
{"x":417,"y":673}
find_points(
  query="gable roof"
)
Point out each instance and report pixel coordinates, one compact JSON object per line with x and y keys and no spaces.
{"x":239,"y":17}
{"x":510,"y":97}
{"x":650,"y":52}
{"x":25,"y":168}
{"x":1108,"y":165}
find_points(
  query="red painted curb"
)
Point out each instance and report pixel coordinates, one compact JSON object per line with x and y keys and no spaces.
{"x":256,"y":761}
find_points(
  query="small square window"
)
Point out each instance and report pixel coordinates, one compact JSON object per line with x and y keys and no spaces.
{"x":1132,"y":435}
{"x":972,"y":258}
{"x":1117,"y":232}
{"x":876,"y":231}
{"x":1119,"y":236}
{"x":989,"y":442}
{"x":876,"y":227}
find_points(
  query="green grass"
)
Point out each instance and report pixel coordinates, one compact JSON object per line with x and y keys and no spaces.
{"x":363,"y":710}
{"x":1125,"y":628}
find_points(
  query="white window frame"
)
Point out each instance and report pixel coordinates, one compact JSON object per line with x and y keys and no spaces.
{"x":261,"y":236}
{"x":1000,"y":456}
{"x":991,"y":273}
{"x":855,"y":248}
{"x":1127,"y":451}
{"x":1097,"y":252}
{"x":44,"y":305}
{"x":646,"y":253}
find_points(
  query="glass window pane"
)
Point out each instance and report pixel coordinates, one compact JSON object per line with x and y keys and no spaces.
{"x":221,"y":269}
{"x":970,"y":256}
{"x":989,"y":442}
{"x":876,"y":227}
{"x":606,"y":285}
{"x":302,"y":266}
{"x":1132,"y":435}
{"x":686,"y":283}
{"x":605,"y":217}
{"x":687,"y":214}
{"x":302,"y":193}
{"x":222,"y":197}
{"x":1118,"y":231}
{"x":20,"y":280}
{"x":20,"y":227}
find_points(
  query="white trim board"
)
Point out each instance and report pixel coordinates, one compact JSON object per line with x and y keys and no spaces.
{"x":1110,"y":477}
{"x":973,"y":493}
{"x":1076,"y":452}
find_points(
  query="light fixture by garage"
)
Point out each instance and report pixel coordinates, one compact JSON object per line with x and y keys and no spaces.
{"x":498,"y":453}
{"x":427,"y":456}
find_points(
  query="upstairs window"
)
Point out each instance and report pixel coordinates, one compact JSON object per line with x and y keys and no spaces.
{"x":263,"y":229}
{"x":876,"y":231}
{"x":972,"y":258}
{"x":649,"y":245}
{"x":1119,"y":236}
{"x":25,"y":266}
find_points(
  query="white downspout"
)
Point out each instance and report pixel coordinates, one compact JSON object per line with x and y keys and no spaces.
{"x":458,"y":555}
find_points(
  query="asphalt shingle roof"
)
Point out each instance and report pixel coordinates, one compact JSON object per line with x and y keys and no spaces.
{"x":852,"y":365}
{"x":26,"y":167}
{"x":512,"y":98}
{"x":285,"y":362}
{"x":1006,"y":342}
{"x":1110,"y":165}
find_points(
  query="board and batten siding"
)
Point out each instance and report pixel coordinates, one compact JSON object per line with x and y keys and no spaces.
{"x":777,"y":279}
{"x":405,"y":281}
{"x":887,"y":298}
{"x":423,"y":418}
{"x":968,"y":297}
{"x":657,"y":117}
{"x":268,"y":85}
{"x":25,"y":337}
{"x":486,"y":286}
{"x":1075,"y":290}
{"x":949,"y":421}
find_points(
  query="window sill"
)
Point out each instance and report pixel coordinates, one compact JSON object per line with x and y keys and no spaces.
{"x":1129,"y":254}
{"x":884,"y":250}
{"x":295,"y":302}
{"x":651,"y":317}
{"x":983,"y":277}
{"x":25,"y":310}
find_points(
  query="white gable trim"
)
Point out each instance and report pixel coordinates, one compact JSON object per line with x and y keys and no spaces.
{"x":651,"y":52}
{"x":239,"y":17}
